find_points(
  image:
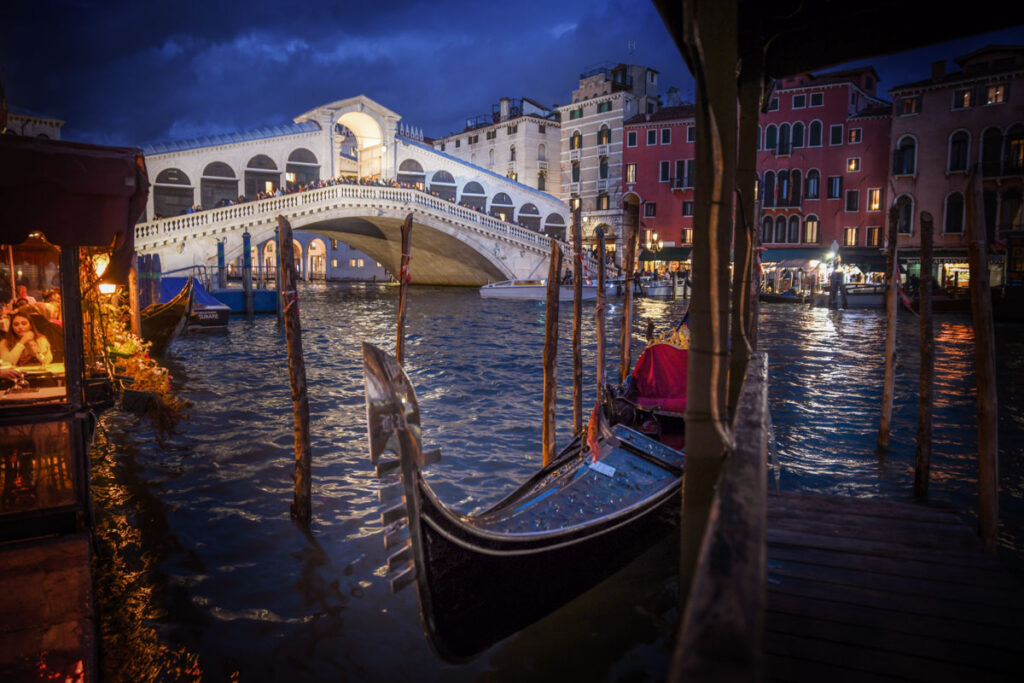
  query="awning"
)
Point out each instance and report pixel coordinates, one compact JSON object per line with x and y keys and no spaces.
{"x":870,"y":260}
{"x":666,"y":254}
{"x":780,"y":255}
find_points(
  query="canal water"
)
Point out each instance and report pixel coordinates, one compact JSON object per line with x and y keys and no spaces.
{"x":201,"y":575}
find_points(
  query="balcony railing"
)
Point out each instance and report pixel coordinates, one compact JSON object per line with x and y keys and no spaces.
{"x":575,"y":154}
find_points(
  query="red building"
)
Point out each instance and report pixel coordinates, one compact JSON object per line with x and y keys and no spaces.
{"x":823,"y":162}
{"x":658,"y":164}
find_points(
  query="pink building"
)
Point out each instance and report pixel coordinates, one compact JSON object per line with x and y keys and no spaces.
{"x":823,"y":163}
{"x":658,"y":168}
{"x":945,"y":127}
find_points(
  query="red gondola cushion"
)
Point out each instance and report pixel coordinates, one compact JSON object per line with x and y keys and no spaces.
{"x":661,"y":378}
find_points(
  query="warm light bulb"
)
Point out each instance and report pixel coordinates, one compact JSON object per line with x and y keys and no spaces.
{"x":99,"y":263}
{"x":107,"y":288}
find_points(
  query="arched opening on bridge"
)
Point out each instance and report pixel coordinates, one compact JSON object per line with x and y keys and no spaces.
{"x":529,"y":217}
{"x":218,"y":186}
{"x":299,"y":261}
{"x":502,"y":207}
{"x":473,"y":196}
{"x":442,"y":184}
{"x":410,"y":172}
{"x":554,"y":226}
{"x":316,"y":263}
{"x":261,"y":175}
{"x":302,"y":168}
{"x":369,"y":146}
{"x":173,"y":193}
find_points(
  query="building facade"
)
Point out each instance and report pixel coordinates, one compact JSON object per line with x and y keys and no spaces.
{"x":518,"y":139}
{"x":592,"y":143}
{"x":947,"y":129}
{"x":658,"y":175}
{"x":823,"y":166}
{"x":32,"y":125}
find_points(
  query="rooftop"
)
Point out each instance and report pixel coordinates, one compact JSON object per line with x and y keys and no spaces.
{"x":230,"y":138}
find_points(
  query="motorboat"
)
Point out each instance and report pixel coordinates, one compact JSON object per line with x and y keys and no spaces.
{"x":533,"y":290}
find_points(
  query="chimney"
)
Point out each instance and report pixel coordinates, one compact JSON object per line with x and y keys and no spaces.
{"x":505,"y":106}
{"x":938,"y":69}
{"x":672,"y":97}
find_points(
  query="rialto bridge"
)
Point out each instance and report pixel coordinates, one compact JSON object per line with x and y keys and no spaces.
{"x":470,"y":226}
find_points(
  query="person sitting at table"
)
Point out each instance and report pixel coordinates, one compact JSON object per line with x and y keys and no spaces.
{"x":23,"y":344}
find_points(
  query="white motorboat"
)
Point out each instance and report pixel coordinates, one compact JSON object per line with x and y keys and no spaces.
{"x":532,"y":290}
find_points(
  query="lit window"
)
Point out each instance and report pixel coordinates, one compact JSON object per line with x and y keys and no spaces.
{"x":602,"y":202}
{"x":351,"y":263}
{"x":811,"y":228}
{"x":874,"y":237}
{"x":631,"y":173}
{"x":850,"y":237}
{"x":875,"y":199}
{"x":910,"y":105}
{"x":853,"y":136}
{"x":995,"y":94}
{"x":334,"y":263}
{"x":853,"y":164}
{"x":962,"y":99}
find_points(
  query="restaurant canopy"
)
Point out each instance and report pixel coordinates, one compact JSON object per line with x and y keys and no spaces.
{"x":665,"y":254}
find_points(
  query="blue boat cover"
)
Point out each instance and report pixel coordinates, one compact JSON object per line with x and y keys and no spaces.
{"x":170,"y":286}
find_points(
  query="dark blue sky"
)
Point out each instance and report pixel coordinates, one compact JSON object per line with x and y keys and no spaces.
{"x":132,"y":73}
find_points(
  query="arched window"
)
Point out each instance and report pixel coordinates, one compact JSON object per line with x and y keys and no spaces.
{"x":769,"y":189}
{"x":261,"y":175}
{"x":218,"y":186}
{"x":766,"y":230}
{"x":502,"y":207}
{"x":904,"y":158}
{"x":542,"y":180}
{"x":529,"y":217}
{"x":490,"y":157}
{"x":442,"y":184}
{"x":542,"y":154}
{"x":905,"y":215}
{"x":302,"y":168}
{"x":813,"y":184}
{"x":780,"y":229}
{"x":783,"y":193}
{"x":798,"y":135}
{"x":512,"y":153}
{"x":793,"y":236}
{"x":411,"y":173}
{"x":603,"y":168}
{"x":812,"y":231}
{"x":759,"y":134}
{"x":958,"y":144}
{"x":814,"y":134}
{"x":991,"y":151}
{"x":172,"y":193}
{"x":473,"y":195}
{"x":771,"y":137}
{"x":794,"y":197}
{"x":604,"y":136}
{"x":1012,"y":211}
{"x":576,"y":141}
{"x":784,"y":147}
{"x":1013,"y":161}
{"x":954,"y":213}
{"x":554,"y":226}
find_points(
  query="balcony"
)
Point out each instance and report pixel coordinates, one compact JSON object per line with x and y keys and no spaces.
{"x":602,"y":184}
{"x":542,"y":165}
{"x":603,"y":150}
{"x":576,"y":187}
{"x":575,"y":154}
{"x":680,"y":184}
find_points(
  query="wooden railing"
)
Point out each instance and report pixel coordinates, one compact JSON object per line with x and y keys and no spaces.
{"x":721,"y":637}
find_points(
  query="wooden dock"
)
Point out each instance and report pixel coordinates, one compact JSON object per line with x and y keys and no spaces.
{"x":869,"y":590}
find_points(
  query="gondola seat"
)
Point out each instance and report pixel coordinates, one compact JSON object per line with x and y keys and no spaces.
{"x":660,"y":376}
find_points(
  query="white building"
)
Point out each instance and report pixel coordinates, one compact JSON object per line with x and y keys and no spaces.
{"x":32,"y":125}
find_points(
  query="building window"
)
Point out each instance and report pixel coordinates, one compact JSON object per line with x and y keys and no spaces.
{"x":875,"y":199}
{"x":853,"y":136}
{"x":602,"y":168}
{"x":799,"y":101}
{"x":652,"y":137}
{"x":813,"y":189}
{"x":650,"y":210}
{"x":355,"y":263}
{"x":602,"y":202}
{"x":958,"y":151}
{"x":811,"y":230}
{"x":873,"y":236}
{"x":909,"y":105}
{"x":666,"y":136}
{"x":849,"y":237}
{"x":1013,"y":162}
{"x":512,"y":153}
{"x":691,"y":133}
{"x":798,"y":135}
{"x":835,"y":134}
{"x":954,"y":213}
{"x":604,"y":106}
{"x":631,"y":139}
{"x":458,"y":143}
{"x":771,"y":139}
{"x":793,"y":233}
{"x":783,"y":193}
{"x":780,"y":229}
{"x":835,"y":186}
{"x":853,"y":164}
{"x":852,"y":200}
{"x":604,"y":136}
{"x":664,"y":172}
{"x":766,"y":230}
{"x":904,"y":157}
{"x":575,"y":171}
{"x":687,"y":208}
{"x":769,"y":189}
{"x":334,"y":244}
{"x":784,"y":139}
{"x":962,"y":99}
{"x":817,"y":99}
{"x":576,"y":113}
{"x":541,"y":128}
{"x":334,"y":263}
{"x":542,"y":180}
{"x":995,"y":94}
{"x":687,"y":236}
{"x":631,"y":172}
{"x":814,"y":134}
{"x":904,"y":215}
{"x":491,"y":134}
{"x":576,"y":141}
{"x":773,"y":104}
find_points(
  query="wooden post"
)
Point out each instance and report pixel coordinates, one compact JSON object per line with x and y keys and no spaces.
{"x":302,"y":505}
{"x":922,"y":462}
{"x":985,"y":372}
{"x":889,"y":383}
{"x":710,"y":48}
{"x":628,"y":265}
{"x":403,"y":283}
{"x":577,"y":319}
{"x":599,"y":311}
{"x":133,"y":302}
{"x":71,"y":301}
{"x":279,"y":279}
{"x":247,"y":274}
{"x":551,"y":353}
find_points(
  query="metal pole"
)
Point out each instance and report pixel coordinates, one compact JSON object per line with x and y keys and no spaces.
{"x":221,"y":279}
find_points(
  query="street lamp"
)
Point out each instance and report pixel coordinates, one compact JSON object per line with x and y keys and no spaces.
{"x":654,"y":245}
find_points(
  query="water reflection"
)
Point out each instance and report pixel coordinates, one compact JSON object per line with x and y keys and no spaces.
{"x":201,"y":569}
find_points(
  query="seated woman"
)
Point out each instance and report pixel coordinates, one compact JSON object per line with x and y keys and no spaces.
{"x":23,"y":344}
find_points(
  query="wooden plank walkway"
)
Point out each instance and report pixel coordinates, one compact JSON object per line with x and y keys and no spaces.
{"x":869,"y":590}
{"x":47,"y":625}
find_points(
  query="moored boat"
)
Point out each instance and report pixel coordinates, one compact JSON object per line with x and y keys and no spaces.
{"x":532,"y":290}
{"x":162,"y":322}
{"x":206,"y":313}
{"x":480,"y":578}
{"x":788,"y":298}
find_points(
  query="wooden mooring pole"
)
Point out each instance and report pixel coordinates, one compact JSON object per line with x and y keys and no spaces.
{"x":889,"y":383}
{"x":985,"y":372}
{"x":551,"y":353}
{"x":926,"y":396}
{"x":403,"y":283}
{"x":134,"y":310}
{"x":577,"y":319}
{"x":247,"y":274}
{"x":599,"y":311}
{"x":289,"y":277}
{"x":632,"y":231}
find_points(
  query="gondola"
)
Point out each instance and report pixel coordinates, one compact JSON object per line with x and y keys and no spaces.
{"x":161,"y":323}
{"x":774,"y":298}
{"x":480,"y":578}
